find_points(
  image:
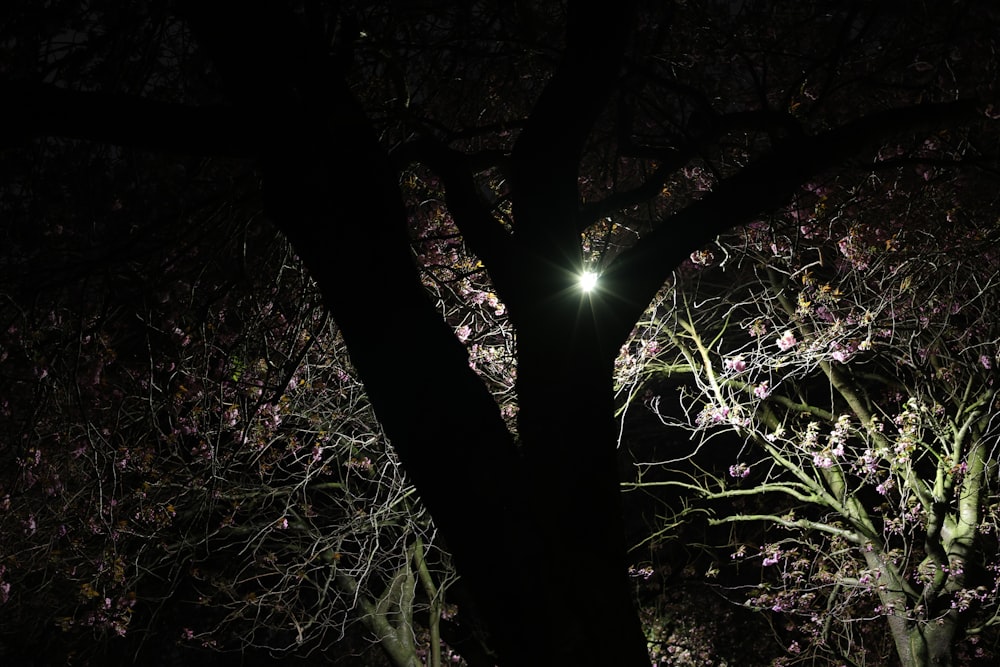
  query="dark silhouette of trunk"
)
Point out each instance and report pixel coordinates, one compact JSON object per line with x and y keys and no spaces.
{"x":566,"y":425}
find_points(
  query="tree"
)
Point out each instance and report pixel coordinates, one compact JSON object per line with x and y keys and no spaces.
{"x":586,"y":113}
{"x":199,"y":438}
{"x":851,"y":345}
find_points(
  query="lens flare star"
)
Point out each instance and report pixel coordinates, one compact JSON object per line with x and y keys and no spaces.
{"x":588,"y":281}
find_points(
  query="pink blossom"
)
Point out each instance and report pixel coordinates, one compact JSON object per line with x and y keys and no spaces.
{"x":736,"y":364}
{"x":772,"y":555}
{"x":763,"y":390}
{"x":822,"y":460}
{"x":498,"y":307}
{"x":787,"y":341}
{"x":739,"y":470}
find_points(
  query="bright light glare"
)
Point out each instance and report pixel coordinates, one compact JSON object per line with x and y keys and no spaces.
{"x":588,"y":281}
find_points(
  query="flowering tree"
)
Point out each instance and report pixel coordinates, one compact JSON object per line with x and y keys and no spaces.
{"x":661,"y":124}
{"x":851,"y":345}
{"x":188,"y":454}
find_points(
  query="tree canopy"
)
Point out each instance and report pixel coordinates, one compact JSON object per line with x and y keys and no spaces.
{"x":422,"y":158}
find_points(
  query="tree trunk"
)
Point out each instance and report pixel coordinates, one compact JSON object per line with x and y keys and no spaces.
{"x":438,"y":415}
{"x":329,"y":186}
{"x":931,"y":641}
{"x":566,"y":426}
{"x":918,"y":644}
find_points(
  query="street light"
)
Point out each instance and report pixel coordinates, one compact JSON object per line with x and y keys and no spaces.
{"x":588,"y":281}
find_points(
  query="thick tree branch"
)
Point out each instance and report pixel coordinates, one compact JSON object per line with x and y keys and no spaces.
{"x":670,"y":159}
{"x":546,"y":156}
{"x":591,"y":212}
{"x":801,"y":524}
{"x":633,"y":278}
{"x":480,"y":229}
